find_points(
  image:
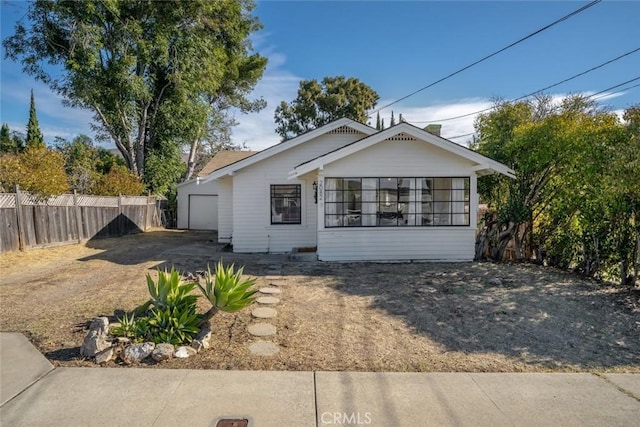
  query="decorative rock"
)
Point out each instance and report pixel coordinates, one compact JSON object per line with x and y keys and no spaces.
{"x":264,"y":348}
{"x":122,"y":340}
{"x":261,"y":329}
{"x":198,"y":345}
{"x":264,"y":313}
{"x":183,"y":352}
{"x":137,"y":352}
{"x":494,"y":282}
{"x":201,"y":341}
{"x":270,"y":291}
{"x":267,"y":300}
{"x":96,"y":339}
{"x":106,"y":355}
{"x":162,"y":352}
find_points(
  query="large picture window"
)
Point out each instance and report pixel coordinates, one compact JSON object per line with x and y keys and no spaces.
{"x":396,"y":202}
{"x":285,"y":204}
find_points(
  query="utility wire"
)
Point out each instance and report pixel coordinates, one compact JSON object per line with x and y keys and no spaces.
{"x":536,"y":91}
{"x":617,"y":91}
{"x":603,"y":93}
{"x":546,"y":27}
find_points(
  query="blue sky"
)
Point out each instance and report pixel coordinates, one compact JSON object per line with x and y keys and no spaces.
{"x":397,"y":47}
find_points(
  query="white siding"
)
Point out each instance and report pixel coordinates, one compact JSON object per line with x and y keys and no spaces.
{"x":225,"y":209}
{"x":193,"y":187}
{"x":399,"y":159}
{"x":379,"y":244}
{"x":252,"y":229}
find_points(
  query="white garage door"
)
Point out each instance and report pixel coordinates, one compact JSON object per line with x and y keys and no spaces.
{"x":203,"y":212}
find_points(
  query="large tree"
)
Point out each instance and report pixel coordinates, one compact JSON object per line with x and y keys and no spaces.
{"x":85,"y":163}
{"x":319,"y":103}
{"x":575,"y":200}
{"x":154,"y":73}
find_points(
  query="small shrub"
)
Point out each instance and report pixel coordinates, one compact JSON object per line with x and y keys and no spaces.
{"x":127,"y":327}
{"x":173,"y":325}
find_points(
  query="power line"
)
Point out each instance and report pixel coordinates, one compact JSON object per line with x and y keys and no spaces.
{"x":537,"y":91}
{"x":546,"y":27}
{"x":617,"y":91}
{"x":594,"y":96}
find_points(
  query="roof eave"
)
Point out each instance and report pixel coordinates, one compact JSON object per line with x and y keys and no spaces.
{"x":285,"y":145}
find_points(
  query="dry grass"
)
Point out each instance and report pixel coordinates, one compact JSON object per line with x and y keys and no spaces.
{"x":370,"y":317}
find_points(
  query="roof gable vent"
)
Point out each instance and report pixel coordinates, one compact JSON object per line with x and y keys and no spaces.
{"x":401,"y":137}
{"x":345,"y":130}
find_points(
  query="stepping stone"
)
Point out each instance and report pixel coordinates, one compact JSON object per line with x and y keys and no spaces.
{"x":267,"y":300}
{"x":261,"y":329}
{"x":264,"y":348}
{"x":270,"y":291}
{"x":264,"y":313}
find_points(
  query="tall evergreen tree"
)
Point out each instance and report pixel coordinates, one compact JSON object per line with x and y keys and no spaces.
{"x":34,"y":135}
{"x":382,"y":124}
{"x":378,"y":121}
{"x":6,"y":143}
{"x":393,"y":119}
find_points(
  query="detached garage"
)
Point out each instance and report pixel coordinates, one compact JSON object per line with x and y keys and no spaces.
{"x":198,"y":200}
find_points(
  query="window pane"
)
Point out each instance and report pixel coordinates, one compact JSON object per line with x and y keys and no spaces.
{"x":404,"y":189}
{"x":353,"y":195}
{"x":393,"y":202}
{"x":286,"y":204}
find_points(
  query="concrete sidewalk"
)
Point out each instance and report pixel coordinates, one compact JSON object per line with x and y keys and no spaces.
{"x":35,"y":394}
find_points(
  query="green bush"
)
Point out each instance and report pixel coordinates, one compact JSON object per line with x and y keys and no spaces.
{"x":170,"y":315}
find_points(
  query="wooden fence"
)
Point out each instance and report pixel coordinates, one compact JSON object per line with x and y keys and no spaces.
{"x":29,"y":222}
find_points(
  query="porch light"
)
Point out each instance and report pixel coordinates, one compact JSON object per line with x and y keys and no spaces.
{"x":315,"y":192}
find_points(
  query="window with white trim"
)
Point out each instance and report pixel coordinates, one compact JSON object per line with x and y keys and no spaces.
{"x":396,"y":202}
{"x":285,"y":204}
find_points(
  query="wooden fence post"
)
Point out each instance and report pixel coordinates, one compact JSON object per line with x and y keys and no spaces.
{"x":120,"y":220}
{"x":21,"y":238}
{"x":78,"y":216}
{"x":146,"y":212}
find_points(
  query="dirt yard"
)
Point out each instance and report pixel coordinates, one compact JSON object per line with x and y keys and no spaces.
{"x":359,"y":316}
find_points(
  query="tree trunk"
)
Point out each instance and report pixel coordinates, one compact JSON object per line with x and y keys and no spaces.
{"x":636,"y":260}
{"x":209,"y":314}
{"x":503,"y":241}
{"x":191,"y":163}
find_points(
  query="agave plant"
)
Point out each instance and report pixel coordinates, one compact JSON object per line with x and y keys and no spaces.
{"x":169,"y":292}
{"x":127,"y":327}
{"x":173,"y":325}
{"x":226,"y":290}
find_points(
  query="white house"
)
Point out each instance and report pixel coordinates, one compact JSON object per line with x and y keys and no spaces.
{"x":355,"y":193}
{"x":198,"y":200}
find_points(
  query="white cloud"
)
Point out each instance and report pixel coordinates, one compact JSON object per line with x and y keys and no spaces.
{"x":257,"y":130}
{"x":446,"y":114}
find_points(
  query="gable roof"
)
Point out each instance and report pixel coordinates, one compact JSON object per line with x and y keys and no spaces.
{"x":484,"y":165}
{"x":219,"y":160}
{"x":287,"y":144}
{"x":222,"y":159}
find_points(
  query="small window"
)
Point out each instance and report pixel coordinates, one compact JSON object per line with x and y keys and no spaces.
{"x":285,"y":204}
